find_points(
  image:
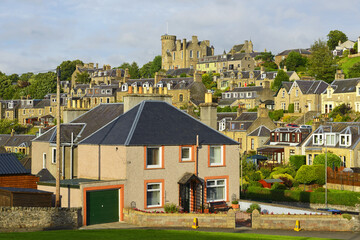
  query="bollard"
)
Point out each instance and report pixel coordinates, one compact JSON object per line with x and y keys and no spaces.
{"x":195,"y":224}
{"x":297,"y":226}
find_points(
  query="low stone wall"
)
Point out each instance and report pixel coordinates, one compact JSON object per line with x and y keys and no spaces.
{"x":307,"y":222}
{"x":39,"y":218}
{"x":205,"y":220}
{"x":319,"y":205}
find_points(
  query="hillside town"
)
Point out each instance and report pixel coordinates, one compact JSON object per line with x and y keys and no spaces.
{"x":247,"y":139}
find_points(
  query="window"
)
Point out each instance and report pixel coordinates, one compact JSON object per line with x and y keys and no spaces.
{"x":154,"y":157}
{"x":283,"y":106}
{"x":222,"y":125}
{"x":24,"y":112}
{"x":292,"y":152}
{"x":50,"y":109}
{"x":248,"y":94}
{"x":40,"y":111}
{"x":174,"y":56}
{"x":124,"y":87}
{"x":296,"y":106}
{"x":309,"y":159}
{"x":330,"y":139}
{"x":181,"y":97}
{"x":182,"y":55}
{"x":296,"y":93}
{"x":216,"y":190}
{"x":358,"y":91}
{"x":53,"y":159}
{"x":240,"y":142}
{"x":198,"y":54}
{"x":216,"y":156}
{"x":283,"y":93}
{"x":191,"y":53}
{"x":186,"y":154}
{"x":252,"y":144}
{"x":107,"y":100}
{"x":154,"y":193}
{"x":263,"y":75}
{"x":318,"y":139}
{"x":44,"y":160}
{"x":345,"y":140}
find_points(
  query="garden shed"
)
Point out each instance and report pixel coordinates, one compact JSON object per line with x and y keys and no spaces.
{"x":267,"y":183}
{"x":24,"y":197}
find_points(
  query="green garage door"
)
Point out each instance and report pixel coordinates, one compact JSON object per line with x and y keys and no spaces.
{"x":102,"y":206}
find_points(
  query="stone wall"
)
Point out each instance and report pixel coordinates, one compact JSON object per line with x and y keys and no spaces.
{"x":219,"y":220}
{"x":39,"y":218}
{"x":307,"y":222}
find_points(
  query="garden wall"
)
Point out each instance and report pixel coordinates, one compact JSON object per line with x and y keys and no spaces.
{"x":307,"y":222}
{"x":39,"y":218}
{"x":205,"y":220}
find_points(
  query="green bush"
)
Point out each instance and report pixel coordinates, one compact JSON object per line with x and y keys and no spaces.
{"x":265,"y":172}
{"x":255,"y":184}
{"x":255,"y":176}
{"x":306,"y":174}
{"x":252,"y":207}
{"x":347,"y":216}
{"x":235,"y":202}
{"x":278,"y":186}
{"x":296,"y":161}
{"x":171,"y":208}
{"x":346,"y":198}
{"x":276,"y":115}
{"x":283,"y":170}
{"x":320,"y":189}
{"x":332,"y":160}
{"x":319,"y":173}
{"x":291,"y":108}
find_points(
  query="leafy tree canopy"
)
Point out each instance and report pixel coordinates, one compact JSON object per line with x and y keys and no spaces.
{"x":7,"y":125}
{"x":265,"y":56}
{"x":42,"y":84}
{"x":321,"y":63}
{"x":294,"y":62}
{"x":67,"y":69}
{"x":334,"y":37}
{"x":332,"y":160}
{"x":280,"y":77}
{"x":83,"y":77}
{"x":354,"y":71}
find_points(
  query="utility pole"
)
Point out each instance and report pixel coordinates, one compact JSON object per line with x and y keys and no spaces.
{"x":58,"y":118}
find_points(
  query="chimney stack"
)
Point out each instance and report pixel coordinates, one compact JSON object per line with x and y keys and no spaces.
{"x":208,"y":111}
{"x":197,"y":77}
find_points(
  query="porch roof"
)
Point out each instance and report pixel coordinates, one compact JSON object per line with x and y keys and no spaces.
{"x":270,"y":150}
{"x":187,"y":177}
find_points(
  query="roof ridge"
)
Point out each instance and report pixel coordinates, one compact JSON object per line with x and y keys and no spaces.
{"x":136,"y":120}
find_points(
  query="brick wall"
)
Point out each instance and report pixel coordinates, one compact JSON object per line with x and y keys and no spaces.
{"x":39,"y":218}
{"x":307,"y":222}
{"x":19,"y":181}
{"x":219,"y":220}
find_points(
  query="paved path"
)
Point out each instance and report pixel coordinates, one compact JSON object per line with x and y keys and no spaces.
{"x":333,"y":235}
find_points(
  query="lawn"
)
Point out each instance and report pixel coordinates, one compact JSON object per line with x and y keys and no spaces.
{"x":125,"y":234}
{"x":347,"y":63}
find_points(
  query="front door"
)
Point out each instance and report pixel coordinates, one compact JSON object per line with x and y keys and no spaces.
{"x":185,"y":197}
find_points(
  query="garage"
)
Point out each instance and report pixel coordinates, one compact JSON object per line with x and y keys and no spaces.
{"x":102,"y":206}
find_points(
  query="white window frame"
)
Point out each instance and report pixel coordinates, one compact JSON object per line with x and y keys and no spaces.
{"x":191,"y":53}
{"x":53,"y":155}
{"x":347,"y":141}
{"x":44,"y":160}
{"x":283,"y":106}
{"x":124,"y":87}
{"x":190,"y":154}
{"x":248,"y":94}
{"x":222,"y":125}
{"x":296,"y":93}
{"x":159,"y":160}
{"x":221,"y":156}
{"x":216,"y":185}
{"x":283,"y":93}
{"x":330,"y":135}
{"x":153,"y":190}
{"x":318,"y":139}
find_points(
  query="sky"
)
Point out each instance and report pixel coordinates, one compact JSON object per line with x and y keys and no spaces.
{"x":37,"y":35}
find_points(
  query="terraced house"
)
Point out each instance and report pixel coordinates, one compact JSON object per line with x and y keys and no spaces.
{"x":341,"y":91}
{"x":342,"y":139}
{"x":304,"y":94}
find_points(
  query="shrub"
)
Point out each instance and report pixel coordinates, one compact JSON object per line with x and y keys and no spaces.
{"x":252,"y":207}
{"x":265,"y":172}
{"x":283,"y":170}
{"x":296,"y":161}
{"x":332,"y":160}
{"x":287,"y":182}
{"x":255,"y":184}
{"x":235,"y":202}
{"x":171,"y":208}
{"x":278,"y":186}
{"x":320,"y":189}
{"x":319,"y":174}
{"x":291,"y":108}
{"x":276,"y":115}
{"x":306,"y":174}
{"x":347,"y":216}
{"x":255,"y":176}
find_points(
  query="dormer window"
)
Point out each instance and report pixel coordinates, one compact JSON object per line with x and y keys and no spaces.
{"x":329,"y":93}
{"x":297,"y":93}
{"x":358,"y":91}
{"x":241,"y":95}
{"x":330,"y":139}
{"x":169,"y":86}
{"x":227,"y":95}
{"x":318,"y":139}
{"x":263,"y":76}
{"x":251,"y":75}
{"x":248,"y":94}
{"x":283,"y":93}
{"x":10,"y":105}
{"x":235,"y":95}
{"x":345,"y":140}
{"x":108,"y":91}
{"x":160,"y":84}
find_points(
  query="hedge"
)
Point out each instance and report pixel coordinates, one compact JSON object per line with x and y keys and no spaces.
{"x":309,"y":174}
{"x":346,"y":198}
{"x":332,"y":160}
{"x":296,"y":161}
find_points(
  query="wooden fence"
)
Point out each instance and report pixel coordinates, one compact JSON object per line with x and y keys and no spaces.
{"x":344,"y":178}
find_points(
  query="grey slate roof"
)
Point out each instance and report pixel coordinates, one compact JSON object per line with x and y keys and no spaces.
{"x":156,"y":123}
{"x":311,"y":86}
{"x":247,"y":116}
{"x":86,"y":124}
{"x":45,"y":175}
{"x":177,"y":72}
{"x":299,"y":50}
{"x":261,"y":131}
{"x":10,"y":165}
{"x":16,"y":140}
{"x":345,"y":85}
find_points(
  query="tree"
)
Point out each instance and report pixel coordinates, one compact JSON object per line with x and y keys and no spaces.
{"x":145,"y":71}
{"x":155,"y":65}
{"x":134,"y":71}
{"x":280,"y":77}
{"x":354,"y":71}
{"x":334,"y":37}
{"x":267,"y":59}
{"x":67,"y":69}
{"x":42,"y":84}
{"x":321,"y":63}
{"x":295,"y":61}
{"x":332,"y":160}
{"x":207,"y":80}
{"x":7,"y":125}
{"x":83,"y":77}
{"x":355,"y":48}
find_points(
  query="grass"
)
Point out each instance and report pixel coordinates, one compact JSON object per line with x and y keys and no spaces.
{"x":32,"y":131}
{"x":125,"y":234}
{"x":347,"y":63}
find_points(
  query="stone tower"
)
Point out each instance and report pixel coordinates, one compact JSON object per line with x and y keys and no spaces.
{"x":168,"y":44}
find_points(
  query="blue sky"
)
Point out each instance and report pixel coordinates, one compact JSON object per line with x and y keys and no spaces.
{"x":38,"y":35}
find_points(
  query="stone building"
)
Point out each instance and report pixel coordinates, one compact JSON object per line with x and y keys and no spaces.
{"x":176,"y":54}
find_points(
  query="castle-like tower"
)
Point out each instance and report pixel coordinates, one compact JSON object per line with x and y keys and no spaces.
{"x":176,"y":54}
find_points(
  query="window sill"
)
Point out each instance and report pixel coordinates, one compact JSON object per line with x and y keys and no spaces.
{"x":187,"y":161}
{"x":217,"y":165}
{"x":152,"y":207}
{"x":154,"y":168}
